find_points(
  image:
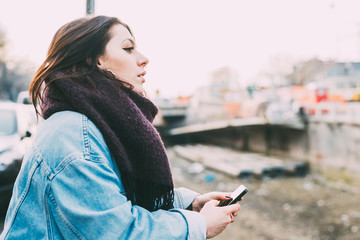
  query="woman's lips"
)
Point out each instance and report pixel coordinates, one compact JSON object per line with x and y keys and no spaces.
{"x":141,"y":76}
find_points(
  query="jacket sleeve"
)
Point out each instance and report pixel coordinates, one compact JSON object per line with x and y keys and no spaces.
{"x":86,"y":201}
{"x":183,"y":197}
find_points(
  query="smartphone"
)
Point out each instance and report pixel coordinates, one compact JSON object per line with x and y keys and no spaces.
{"x":235,"y":196}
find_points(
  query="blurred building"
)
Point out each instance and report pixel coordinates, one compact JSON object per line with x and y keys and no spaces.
{"x":219,"y":100}
{"x":330,"y":81}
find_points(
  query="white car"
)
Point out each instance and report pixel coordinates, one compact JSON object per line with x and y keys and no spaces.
{"x":16,"y":129}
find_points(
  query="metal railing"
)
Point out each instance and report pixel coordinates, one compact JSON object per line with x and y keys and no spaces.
{"x":333,"y":112}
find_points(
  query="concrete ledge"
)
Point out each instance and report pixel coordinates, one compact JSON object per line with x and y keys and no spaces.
{"x":239,"y":164}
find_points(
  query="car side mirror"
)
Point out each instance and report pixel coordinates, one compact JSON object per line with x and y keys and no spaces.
{"x":27,"y":134}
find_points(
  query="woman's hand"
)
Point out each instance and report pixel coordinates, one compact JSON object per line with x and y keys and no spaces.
{"x":217,"y":218}
{"x":200,"y":200}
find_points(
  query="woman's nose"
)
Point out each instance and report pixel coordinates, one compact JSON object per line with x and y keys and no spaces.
{"x":143,"y":61}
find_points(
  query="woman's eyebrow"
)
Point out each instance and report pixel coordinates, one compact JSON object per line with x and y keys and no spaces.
{"x":131,"y":41}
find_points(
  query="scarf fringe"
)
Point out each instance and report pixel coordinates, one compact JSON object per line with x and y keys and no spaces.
{"x":148,"y":194}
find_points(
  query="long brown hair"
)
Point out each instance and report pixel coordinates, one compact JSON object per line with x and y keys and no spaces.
{"x":75,"y":49}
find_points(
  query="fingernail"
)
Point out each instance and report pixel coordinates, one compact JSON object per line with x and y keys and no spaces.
{"x":228,"y":197}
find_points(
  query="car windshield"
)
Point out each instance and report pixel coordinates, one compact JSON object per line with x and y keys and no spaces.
{"x":8,"y":124}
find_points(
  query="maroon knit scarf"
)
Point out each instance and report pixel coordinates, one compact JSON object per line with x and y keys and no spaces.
{"x":125,"y":120}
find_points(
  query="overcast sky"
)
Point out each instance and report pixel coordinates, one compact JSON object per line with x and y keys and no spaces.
{"x":189,"y":39}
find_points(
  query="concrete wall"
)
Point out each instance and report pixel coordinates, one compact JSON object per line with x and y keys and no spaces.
{"x":322,"y":144}
{"x":335,"y":144}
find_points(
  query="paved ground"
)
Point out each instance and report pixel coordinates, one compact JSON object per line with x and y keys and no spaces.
{"x":322,"y":206}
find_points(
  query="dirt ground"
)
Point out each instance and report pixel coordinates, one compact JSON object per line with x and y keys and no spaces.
{"x":322,"y":206}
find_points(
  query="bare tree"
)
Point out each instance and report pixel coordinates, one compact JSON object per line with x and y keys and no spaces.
{"x":3,"y":68}
{"x":13,"y":79}
{"x":2,"y":44}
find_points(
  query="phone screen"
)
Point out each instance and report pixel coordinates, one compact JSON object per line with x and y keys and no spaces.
{"x":235,"y":195}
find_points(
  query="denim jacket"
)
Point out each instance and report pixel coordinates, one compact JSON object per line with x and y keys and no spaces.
{"x":69,"y":188}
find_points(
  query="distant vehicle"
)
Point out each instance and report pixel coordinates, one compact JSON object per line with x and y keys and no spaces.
{"x":15,"y":137}
{"x":23,"y":97}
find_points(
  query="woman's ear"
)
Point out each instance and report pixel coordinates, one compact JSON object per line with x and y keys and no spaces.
{"x":100,"y":63}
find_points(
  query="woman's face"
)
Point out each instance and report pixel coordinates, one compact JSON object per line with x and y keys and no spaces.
{"x":122,"y":58}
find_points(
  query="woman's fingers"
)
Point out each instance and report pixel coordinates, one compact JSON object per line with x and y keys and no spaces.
{"x":233,"y":208}
{"x":213,"y":203}
{"x":217,"y":218}
{"x":219,"y":195}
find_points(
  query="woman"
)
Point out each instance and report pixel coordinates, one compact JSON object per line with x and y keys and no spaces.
{"x":97,"y":168}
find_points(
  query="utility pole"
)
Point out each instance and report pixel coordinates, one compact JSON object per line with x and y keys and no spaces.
{"x":358,"y":42}
{"x":90,"y":7}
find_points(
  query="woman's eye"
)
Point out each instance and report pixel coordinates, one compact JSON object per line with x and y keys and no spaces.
{"x":129,"y":49}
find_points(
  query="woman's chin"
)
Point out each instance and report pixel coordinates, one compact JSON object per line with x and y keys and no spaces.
{"x":139,"y":90}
